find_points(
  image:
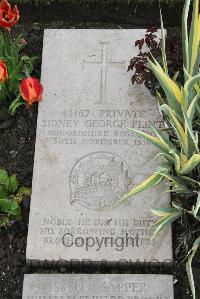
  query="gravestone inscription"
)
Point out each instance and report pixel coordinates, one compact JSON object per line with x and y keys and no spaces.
{"x":97,"y":286}
{"x":86,"y":159}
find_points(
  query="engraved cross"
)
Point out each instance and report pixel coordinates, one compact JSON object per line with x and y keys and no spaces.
{"x":104,"y":64}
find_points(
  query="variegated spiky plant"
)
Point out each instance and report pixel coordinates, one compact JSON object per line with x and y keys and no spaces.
{"x":179,"y":148}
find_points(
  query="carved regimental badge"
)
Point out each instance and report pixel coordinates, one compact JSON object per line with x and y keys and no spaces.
{"x":98,"y":180}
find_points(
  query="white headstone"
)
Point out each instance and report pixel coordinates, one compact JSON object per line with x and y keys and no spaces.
{"x":86,"y":159}
{"x":97,"y":286}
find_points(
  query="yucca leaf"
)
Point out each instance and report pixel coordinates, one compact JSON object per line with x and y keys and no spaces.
{"x":190,"y":88}
{"x":172,"y":158}
{"x":188,"y":128}
{"x":154,"y":140}
{"x":191,"y":181}
{"x":185,"y":39}
{"x":191,"y":255}
{"x":153,"y":180}
{"x":197,"y":86}
{"x":164,"y":212}
{"x":168,"y":157}
{"x":163,"y":137}
{"x":164,"y":57}
{"x":159,"y":98}
{"x":171,"y":89}
{"x":198,"y":109}
{"x":177,"y":161}
{"x":194,"y":39}
{"x":184,"y":104}
{"x":191,"y":110}
{"x":178,"y":184}
{"x":183,"y":158}
{"x":186,"y":74}
{"x":191,"y":82}
{"x":168,"y":177}
{"x":176,"y":76}
{"x":197,"y":207}
{"x":177,"y":127}
{"x":177,"y":206}
{"x":164,"y":222}
{"x":190,"y":165}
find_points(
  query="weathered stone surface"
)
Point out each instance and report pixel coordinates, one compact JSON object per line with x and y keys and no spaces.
{"x":86,"y":160}
{"x":82,"y":286}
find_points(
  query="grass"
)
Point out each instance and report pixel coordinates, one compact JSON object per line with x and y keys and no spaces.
{"x":103,"y":2}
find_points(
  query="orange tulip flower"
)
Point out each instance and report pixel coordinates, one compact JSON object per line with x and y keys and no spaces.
{"x":3,"y":72}
{"x":8,"y":16}
{"x":31,"y":90}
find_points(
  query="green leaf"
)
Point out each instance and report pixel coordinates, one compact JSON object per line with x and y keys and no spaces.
{"x":10,"y":207}
{"x":24,"y":191}
{"x":191,"y":255}
{"x":190,"y":165}
{"x":21,"y":193}
{"x":191,"y":110}
{"x":180,"y":133}
{"x":168,"y":157}
{"x":197,"y":207}
{"x":4,"y":179}
{"x":3,"y":96}
{"x":164,"y":212}
{"x":3,"y":192}
{"x":15,"y":104}
{"x":5,"y":205}
{"x":164,"y":57}
{"x":171,"y":89}
{"x":165,"y":221}
{"x":185,"y":39}
{"x":163,"y":137}
{"x":193,"y":145}
{"x":16,"y":42}
{"x":13,"y":184}
{"x":177,"y":161}
{"x":189,"y":88}
{"x":176,"y":76}
{"x":13,"y":85}
{"x":1,"y":43}
{"x":153,"y":180}
{"x":15,"y":209}
{"x":25,"y":58}
{"x":191,"y":181}
{"x":4,"y":221}
{"x":194,"y":40}
{"x":177,"y":183}
{"x":159,"y":143}
{"x":15,"y":107}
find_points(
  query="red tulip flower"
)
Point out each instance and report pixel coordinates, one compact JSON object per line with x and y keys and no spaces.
{"x":8,"y":16}
{"x":31,"y":90}
{"x":3,"y":72}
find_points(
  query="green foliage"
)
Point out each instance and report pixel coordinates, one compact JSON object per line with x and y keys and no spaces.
{"x":19,"y":67}
{"x":11,"y":196}
{"x":168,"y":215}
{"x":191,"y":255}
{"x":178,"y":149}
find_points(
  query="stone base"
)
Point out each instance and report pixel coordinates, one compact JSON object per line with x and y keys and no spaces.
{"x":96,"y":286}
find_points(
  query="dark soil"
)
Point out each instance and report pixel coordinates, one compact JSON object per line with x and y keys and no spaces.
{"x":16,"y":155}
{"x":102,"y":11}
